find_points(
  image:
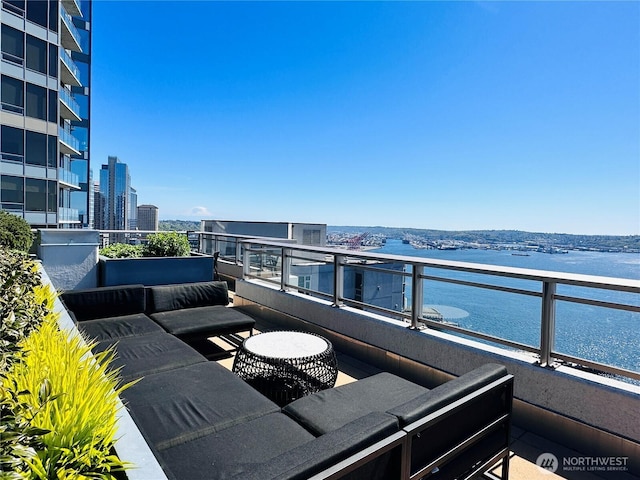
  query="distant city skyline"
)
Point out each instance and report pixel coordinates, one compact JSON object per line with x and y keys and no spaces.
{"x":435,"y":115}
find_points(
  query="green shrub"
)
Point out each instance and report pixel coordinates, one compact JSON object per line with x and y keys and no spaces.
{"x":122,"y":250}
{"x":24,"y":302}
{"x":69,"y":399}
{"x":167,"y":244}
{"x":15,"y":232}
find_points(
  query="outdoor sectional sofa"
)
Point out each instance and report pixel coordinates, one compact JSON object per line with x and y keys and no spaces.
{"x":204,"y":422}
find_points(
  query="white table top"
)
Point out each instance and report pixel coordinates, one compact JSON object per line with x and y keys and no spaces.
{"x":286,"y":344}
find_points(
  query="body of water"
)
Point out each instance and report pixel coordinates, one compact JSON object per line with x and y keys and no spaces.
{"x":594,"y":333}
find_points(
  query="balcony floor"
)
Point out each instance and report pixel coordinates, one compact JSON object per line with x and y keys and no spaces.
{"x":526,"y":446}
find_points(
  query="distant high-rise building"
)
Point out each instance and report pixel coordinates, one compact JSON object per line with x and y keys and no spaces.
{"x":44,"y":127}
{"x":133,"y":209}
{"x":115,"y":196}
{"x":147,"y":217}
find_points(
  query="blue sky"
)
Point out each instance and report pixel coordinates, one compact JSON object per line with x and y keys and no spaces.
{"x":445,"y":115}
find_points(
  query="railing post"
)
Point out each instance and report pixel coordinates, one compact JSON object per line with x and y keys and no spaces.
{"x":246,"y":261}
{"x":417,"y":296}
{"x":338,"y":280}
{"x":548,"y":323}
{"x":285,"y":272}
{"x":240,"y":252}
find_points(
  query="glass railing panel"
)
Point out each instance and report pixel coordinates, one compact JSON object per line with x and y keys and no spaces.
{"x":68,"y":99}
{"x":66,"y":215}
{"x":69,"y":139}
{"x":71,"y":65}
{"x":68,"y":177}
{"x":68,"y":21}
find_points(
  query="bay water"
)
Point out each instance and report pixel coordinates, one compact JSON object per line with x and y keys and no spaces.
{"x":595,"y":333}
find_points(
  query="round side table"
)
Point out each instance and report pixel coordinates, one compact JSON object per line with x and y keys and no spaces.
{"x":286,"y":365}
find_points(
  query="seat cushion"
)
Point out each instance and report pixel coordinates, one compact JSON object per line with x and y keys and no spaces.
{"x":331,"y":409}
{"x":233,"y":451}
{"x":142,"y":355}
{"x":178,"y":405}
{"x":164,"y":298}
{"x":103,"y":302}
{"x":118,"y":327}
{"x":203,"y":321}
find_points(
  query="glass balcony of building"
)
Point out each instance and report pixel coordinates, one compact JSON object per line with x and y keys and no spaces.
{"x":68,"y":215}
{"x":73,"y":7}
{"x":70,"y":37}
{"x":68,"y":178}
{"x":68,"y":143}
{"x":69,"y":108}
{"x":69,"y":71}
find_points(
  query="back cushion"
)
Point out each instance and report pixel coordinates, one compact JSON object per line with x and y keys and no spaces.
{"x":105,"y":302}
{"x":163,"y":298}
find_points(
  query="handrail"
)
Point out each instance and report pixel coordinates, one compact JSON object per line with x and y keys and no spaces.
{"x":548,"y":356}
{"x":240,"y":248}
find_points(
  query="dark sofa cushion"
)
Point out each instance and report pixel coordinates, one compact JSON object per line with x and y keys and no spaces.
{"x":447,"y":393}
{"x":203,"y":321}
{"x":164,"y":298}
{"x":234,"y":450}
{"x":147,"y":354}
{"x":118,"y":327}
{"x":178,"y":405}
{"x":103,"y":302}
{"x":331,"y":409}
{"x":312,"y":457}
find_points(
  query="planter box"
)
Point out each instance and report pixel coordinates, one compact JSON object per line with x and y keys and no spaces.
{"x":154,"y":270}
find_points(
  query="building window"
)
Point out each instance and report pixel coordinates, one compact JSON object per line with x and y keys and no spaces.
{"x":53,"y":16}
{"x":53,"y":60}
{"x":12,"y":191}
{"x":53,"y":106}
{"x":37,"y":12}
{"x":35,"y":195}
{"x":36,"y":151}
{"x":12,"y":143}
{"x":36,"y":54}
{"x":12,"y":45}
{"x":52,"y":196}
{"x":52,"y":151}
{"x":36,"y":101}
{"x":12,"y":95}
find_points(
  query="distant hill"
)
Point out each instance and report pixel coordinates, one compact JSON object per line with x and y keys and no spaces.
{"x":179,"y":225}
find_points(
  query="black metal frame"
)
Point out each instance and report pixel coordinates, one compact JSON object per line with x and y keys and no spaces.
{"x":459,"y":453}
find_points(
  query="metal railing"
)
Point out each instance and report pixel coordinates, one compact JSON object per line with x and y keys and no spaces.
{"x":275,"y":261}
{"x":255,"y":266}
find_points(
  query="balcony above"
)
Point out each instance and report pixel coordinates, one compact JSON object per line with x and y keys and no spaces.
{"x":69,"y":35}
{"x":69,"y":71}
{"x":69,"y":145}
{"x":69,"y":108}
{"x":68,"y":179}
{"x":73,"y":7}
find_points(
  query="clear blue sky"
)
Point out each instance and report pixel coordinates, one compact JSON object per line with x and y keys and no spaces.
{"x":444,"y":115}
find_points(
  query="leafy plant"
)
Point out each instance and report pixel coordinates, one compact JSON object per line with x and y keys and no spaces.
{"x":167,"y":244}
{"x":122,"y":250}
{"x":15,"y":232}
{"x":24,"y":302}
{"x":69,"y":400}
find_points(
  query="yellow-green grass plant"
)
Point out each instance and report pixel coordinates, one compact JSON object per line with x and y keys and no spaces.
{"x":72,"y":394}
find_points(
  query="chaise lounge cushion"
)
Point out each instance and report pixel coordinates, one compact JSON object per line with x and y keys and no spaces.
{"x":104,"y":302}
{"x":248,"y":451}
{"x":203,"y":321}
{"x":118,"y":327}
{"x":163,"y":298}
{"x":178,"y":405}
{"x":142,"y":355}
{"x":331,"y":409}
{"x":447,"y":393}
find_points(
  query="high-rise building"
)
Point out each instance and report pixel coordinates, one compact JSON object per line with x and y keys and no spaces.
{"x":44,"y":118}
{"x":115,"y":196}
{"x":148,"y":217}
